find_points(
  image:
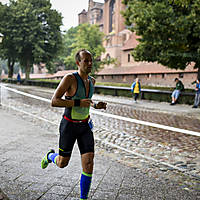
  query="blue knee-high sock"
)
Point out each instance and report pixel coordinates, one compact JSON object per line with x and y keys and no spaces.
{"x":52,"y":157}
{"x":85,"y":185}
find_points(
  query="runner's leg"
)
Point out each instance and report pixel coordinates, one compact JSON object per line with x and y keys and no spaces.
{"x":86,"y":176}
{"x":86,"y":147}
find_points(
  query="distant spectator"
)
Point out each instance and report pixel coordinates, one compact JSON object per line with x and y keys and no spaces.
{"x":197,"y":95}
{"x":136,"y":88}
{"x":18,"y":78}
{"x":177,"y":91}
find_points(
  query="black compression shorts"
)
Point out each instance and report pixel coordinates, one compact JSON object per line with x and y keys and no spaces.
{"x":70,"y":132}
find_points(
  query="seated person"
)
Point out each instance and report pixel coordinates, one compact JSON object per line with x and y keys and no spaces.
{"x":177,"y":91}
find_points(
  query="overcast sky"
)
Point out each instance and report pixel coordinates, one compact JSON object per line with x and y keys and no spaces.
{"x":69,"y":10}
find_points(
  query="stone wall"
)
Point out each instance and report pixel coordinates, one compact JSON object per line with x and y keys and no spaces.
{"x":163,"y":80}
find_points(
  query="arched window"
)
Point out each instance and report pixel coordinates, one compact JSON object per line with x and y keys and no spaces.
{"x":111,"y":14}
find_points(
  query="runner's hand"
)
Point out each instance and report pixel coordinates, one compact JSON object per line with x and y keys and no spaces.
{"x":101,"y":105}
{"x":85,"y":102}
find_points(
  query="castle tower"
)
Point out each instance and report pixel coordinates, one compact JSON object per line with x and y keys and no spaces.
{"x":82,"y":17}
{"x":113,"y":26}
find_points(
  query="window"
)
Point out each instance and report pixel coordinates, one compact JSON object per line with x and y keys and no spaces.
{"x":111,"y":15}
{"x":124,"y":37}
{"x":148,"y":75}
{"x":124,"y":78}
{"x":129,"y":57}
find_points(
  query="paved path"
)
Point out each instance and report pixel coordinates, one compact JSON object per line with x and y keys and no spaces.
{"x":24,"y":143}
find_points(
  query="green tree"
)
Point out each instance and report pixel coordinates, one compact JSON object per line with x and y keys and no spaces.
{"x":183,"y":3}
{"x":3,"y":66}
{"x":68,"y":40}
{"x":88,"y":37}
{"x":33,"y":28}
{"x":168,"y":29}
{"x":8,"y":48}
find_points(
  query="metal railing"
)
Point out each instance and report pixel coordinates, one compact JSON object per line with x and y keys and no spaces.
{"x":115,"y":89}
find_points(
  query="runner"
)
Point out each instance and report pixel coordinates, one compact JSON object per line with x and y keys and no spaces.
{"x":78,"y":89}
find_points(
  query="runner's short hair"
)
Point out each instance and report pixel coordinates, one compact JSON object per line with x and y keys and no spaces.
{"x":78,"y":56}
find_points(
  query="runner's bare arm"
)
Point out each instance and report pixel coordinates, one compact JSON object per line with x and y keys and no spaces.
{"x":67,"y":85}
{"x":64,"y":86}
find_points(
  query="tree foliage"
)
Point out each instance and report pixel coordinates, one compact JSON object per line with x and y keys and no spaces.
{"x":8,"y":48}
{"x":88,"y":37}
{"x":68,"y":38}
{"x":168,"y":29}
{"x":32,"y":32}
{"x":3,"y":66}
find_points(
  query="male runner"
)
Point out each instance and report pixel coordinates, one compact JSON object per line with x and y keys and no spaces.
{"x":78,"y":89}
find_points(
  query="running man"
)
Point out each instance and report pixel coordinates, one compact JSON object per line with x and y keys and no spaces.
{"x":78,"y":89}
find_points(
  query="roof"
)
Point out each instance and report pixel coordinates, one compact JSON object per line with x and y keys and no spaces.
{"x":83,"y":12}
{"x":143,"y":68}
{"x":58,"y":74}
{"x":138,"y":68}
{"x":63,"y":73}
{"x":131,"y":43}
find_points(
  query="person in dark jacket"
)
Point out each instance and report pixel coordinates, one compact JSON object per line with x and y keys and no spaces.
{"x":18,"y":78}
{"x":176,"y":93}
{"x":197,"y":95}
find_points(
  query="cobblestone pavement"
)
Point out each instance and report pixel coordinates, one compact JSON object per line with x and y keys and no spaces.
{"x":25,"y":141}
{"x":127,"y":142}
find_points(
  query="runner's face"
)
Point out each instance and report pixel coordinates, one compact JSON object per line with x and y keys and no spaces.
{"x":86,"y":62}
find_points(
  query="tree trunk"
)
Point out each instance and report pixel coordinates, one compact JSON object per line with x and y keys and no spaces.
{"x":10,"y":67}
{"x":27,"y":70}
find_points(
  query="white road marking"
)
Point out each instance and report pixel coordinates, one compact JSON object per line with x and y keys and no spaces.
{"x":146,"y":123}
{"x":179,"y":130}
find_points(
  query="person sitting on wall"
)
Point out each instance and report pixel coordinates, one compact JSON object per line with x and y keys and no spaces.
{"x":176,"y":93}
{"x":136,"y":88}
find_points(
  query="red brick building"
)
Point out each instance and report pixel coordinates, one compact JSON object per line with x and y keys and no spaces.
{"x":119,"y":42}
